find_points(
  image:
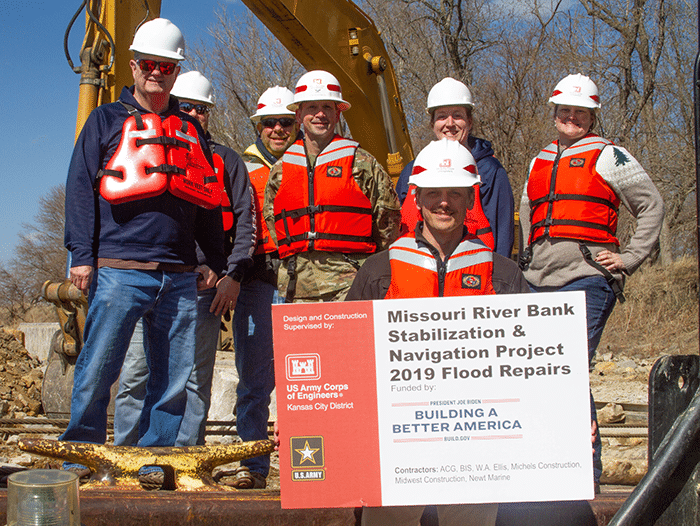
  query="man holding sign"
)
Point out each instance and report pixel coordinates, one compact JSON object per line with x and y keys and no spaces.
{"x":439,"y":258}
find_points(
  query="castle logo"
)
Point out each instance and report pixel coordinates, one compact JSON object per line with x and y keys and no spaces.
{"x":300,"y":367}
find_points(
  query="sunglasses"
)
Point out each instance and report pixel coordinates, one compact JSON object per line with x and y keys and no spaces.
{"x":187,"y":107}
{"x":272,"y":122}
{"x":166,"y":68}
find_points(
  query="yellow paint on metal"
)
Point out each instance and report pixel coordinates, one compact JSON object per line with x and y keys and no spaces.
{"x":119,"y":465}
{"x":120,"y":18}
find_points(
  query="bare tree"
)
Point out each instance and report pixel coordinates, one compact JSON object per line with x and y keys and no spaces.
{"x":38,"y":257}
{"x":244,"y":60}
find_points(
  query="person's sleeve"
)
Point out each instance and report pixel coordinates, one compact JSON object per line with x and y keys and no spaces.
{"x":524,"y":218}
{"x":81,"y":228}
{"x":640,"y":196}
{"x":271,"y":189}
{"x":242,"y":202}
{"x":359,"y":288}
{"x":498,"y":204}
{"x":209,"y":235}
{"x":209,"y":226}
{"x":376,"y":184}
{"x":402,"y":183}
{"x":507,"y":277}
{"x":372,"y":280}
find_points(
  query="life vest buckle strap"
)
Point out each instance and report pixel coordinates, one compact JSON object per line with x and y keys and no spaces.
{"x":614,"y":284}
{"x":291,"y":214}
{"x":166,"y":168}
{"x":113,"y":173}
{"x":164,"y":140}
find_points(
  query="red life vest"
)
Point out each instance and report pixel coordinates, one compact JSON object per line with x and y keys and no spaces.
{"x":475,"y":221}
{"x":226,"y":208}
{"x":259,"y":173}
{"x":155,"y":155}
{"x":324,"y":209}
{"x":568,"y":198}
{"x":198,"y":184}
{"x":415,"y":270}
{"x":134,"y":167}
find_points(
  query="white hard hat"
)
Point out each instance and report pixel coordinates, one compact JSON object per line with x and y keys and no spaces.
{"x":444,"y":164}
{"x":449,"y":92}
{"x":193,"y":86}
{"x":576,"y":90}
{"x":159,"y":37}
{"x":318,"y":85}
{"x":274,"y":101}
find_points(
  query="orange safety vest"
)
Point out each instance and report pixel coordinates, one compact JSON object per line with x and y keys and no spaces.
{"x":416,"y":273}
{"x":226,"y":208}
{"x":259,"y":173}
{"x":155,"y":155}
{"x":475,"y":221}
{"x":324,"y":208}
{"x":568,"y":198}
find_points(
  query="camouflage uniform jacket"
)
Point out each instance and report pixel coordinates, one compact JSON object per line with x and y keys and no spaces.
{"x":327,"y":276}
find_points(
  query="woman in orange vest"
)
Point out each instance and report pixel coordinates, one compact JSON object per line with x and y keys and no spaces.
{"x":569,"y":212}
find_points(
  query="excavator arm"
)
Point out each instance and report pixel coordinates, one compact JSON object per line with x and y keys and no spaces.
{"x":337,"y":36}
{"x":104,"y":56}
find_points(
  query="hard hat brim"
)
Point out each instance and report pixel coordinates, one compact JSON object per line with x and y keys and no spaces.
{"x":342,"y":105}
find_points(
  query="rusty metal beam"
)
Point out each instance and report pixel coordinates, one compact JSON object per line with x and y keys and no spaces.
{"x":115,"y":507}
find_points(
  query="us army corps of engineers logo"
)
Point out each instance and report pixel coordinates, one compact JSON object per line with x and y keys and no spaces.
{"x":299,"y":367}
{"x":308,"y":458}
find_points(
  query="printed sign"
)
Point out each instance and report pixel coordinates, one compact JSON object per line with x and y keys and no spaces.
{"x":433,"y":401}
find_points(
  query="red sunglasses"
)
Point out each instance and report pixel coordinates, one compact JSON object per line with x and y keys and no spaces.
{"x":166,"y":68}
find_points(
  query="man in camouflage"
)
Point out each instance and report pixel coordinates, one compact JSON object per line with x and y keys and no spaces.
{"x":329,"y":204}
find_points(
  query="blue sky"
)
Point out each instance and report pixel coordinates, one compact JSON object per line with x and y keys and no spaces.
{"x":40,"y":97}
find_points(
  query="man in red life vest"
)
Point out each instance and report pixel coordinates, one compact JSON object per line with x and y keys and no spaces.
{"x":329,"y":204}
{"x":195,"y":93}
{"x":252,"y":318}
{"x":140,"y":232}
{"x":439,"y":258}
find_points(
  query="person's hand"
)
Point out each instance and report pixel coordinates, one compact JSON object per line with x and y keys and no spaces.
{"x":81,"y":277}
{"x":594,"y":428}
{"x":207,"y":277}
{"x":276,"y":436}
{"x":610,"y":260}
{"x":227,"y":290}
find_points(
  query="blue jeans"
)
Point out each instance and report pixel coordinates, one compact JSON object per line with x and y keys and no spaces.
{"x":132,"y":382}
{"x":252,"y":333}
{"x":128,"y":403}
{"x":600,"y":300}
{"x":199,"y":384}
{"x":166,"y":301}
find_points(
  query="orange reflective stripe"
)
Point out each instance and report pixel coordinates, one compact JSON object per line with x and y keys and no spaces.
{"x":415,"y":271}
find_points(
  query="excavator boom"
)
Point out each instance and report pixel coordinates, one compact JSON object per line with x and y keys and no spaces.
{"x":337,"y":36}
